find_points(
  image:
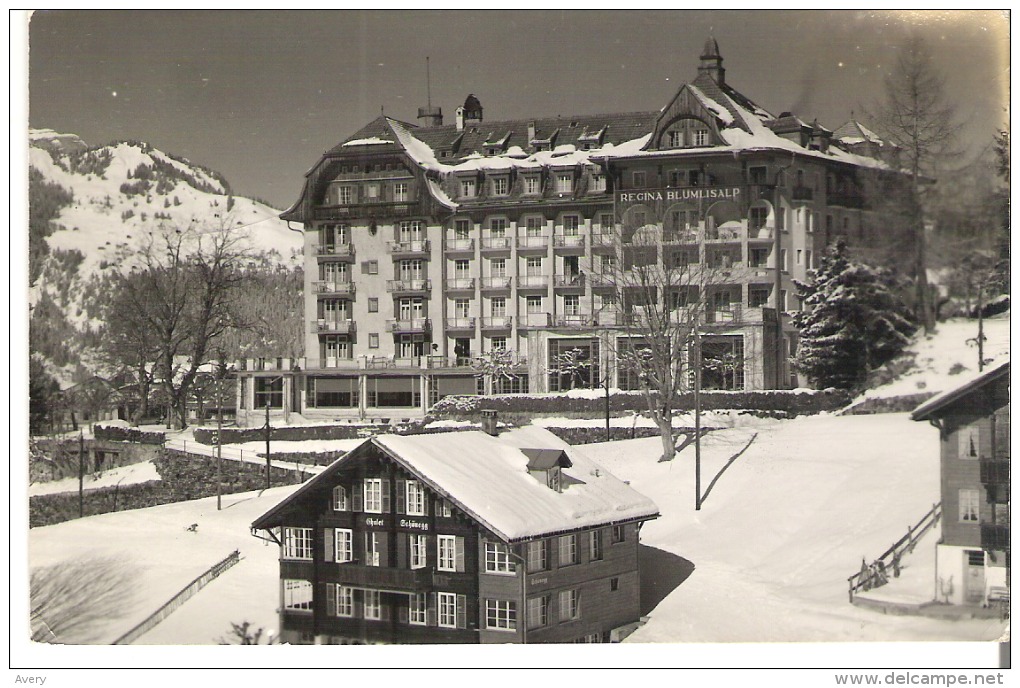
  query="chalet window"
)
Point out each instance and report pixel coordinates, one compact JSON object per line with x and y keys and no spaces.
{"x":373,"y":304}
{"x":497,"y":559}
{"x":538,"y":611}
{"x":531,"y":185}
{"x":501,"y":615}
{"x":297,"y":595}
{"x":451,"y":553}
{"x":567,"y":550}
{"x":675,"y":138}
{"x":500,"y":186}
{"x":564,"y":182}
{"x":619,"y":534}
{"x":537,"y":557}
{"x":297,"y":543}
{"x":373,"y":604}
{"x":614,"y":584}
{"x":415,"y":498}
{"x":467,"y":188}
{"x":418,"y":548}
{"x":445,"y":509}
{"x":344,"y":549}
{"x":373,"y":340}
{"x":598,"y":182}
{"x":400,"y":194}
{"x":340,"y":500}
{"x":700,"y":137}
{"x":497,"y":227}
{"x":344,"y":600}
{"x":569,"y":607}
{"x":449,"y":605}
{"x":418,"y":609}
{"x":374,"y":547}
{"x":373,"y":488}
{"x":596,"y":545}
{"x":969,"y":505}
{"x":345,"y":195}
{"x":969,"y":441}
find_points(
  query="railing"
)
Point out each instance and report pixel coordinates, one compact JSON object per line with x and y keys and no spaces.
{"x":495,"y":243}
{"x":460,"y":284}
{"x":763,"y":233}
{"x":452,"y":245}
{"x":575,"y":320}
{"x":335,"y":250}
{"x":994,"y":536}
{"x":180,"y":598}
{"x":460,"y":323}
{"x":332,"y":287}
{"x":733,"y":314}
{"x":534,"y":320}
{"x":569,"y":280}
{"x":435,"y":361}
{"x":409,"y":325}
{"x":333,"y":362}
{"x":680,"y":237}
{"x":398,"y":285}
{"x":877,"y":574}
{"x":345,"y":326}
{"x":994,"y":471}
{"x":496,"y":283}
{"x":601,"y":279}
{"x":568,"y":241}
{"x":532,"y":281}
{"x":385,"y":577}
{"x":526,"y":242}
{"x":259,"y":365}
{"x":497,"y":322}
{"x":414,"y":246}
{"x":603,"y":239}
{"x":803,"y":193}
{"x":725,"y":234}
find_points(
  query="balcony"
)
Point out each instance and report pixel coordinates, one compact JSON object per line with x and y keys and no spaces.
{"x":460,"y":323}
{"x":409,"y":248}
{"x":268,"y":364}
{"x":497,"y":322}
{"x":533,"y":320}
{"x":569,"y":242}
{"x":724,"y":316}
{"x":459,"y":245}
{"x":610,"y":318}
{"x":333,"y":362}
{"x":994,"y":536}
{"x":762,"y":233}
{"x":603,"y":240}
{"x":342,"y":288}
{"x":601,"y":280}
{"x":460,"y":284}
{"x":335,"y":251}
{"x":533,"y":281}
{"x":576,"y":320}
{"x":409,"y":325}
{"x":723,"y":234}
{"x":404,"y":286}
{"x":689,"y":236}
{"x":496,"y":284}
{"x":532,"y":243}
{"x":572,"y":281}
{"x":384,"y":578}
{"x":435,"y":361}
{"x":496,"y":243}
{"x":803,"y":193}
{"x":994,"y":471}
{"x":342,"y":326}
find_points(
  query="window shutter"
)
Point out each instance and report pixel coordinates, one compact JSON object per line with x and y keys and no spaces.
{"x":330,"y":599}
{"x":384,"y":549}
{"x":385,"y":495}
{"x":459,"y":553}
{"x":329,"y":539}
{"x":384,"y":608}
{"x":357,"y":496}
{"x":359,"y":604}
{"x":461,"y":611}
{"x":430,"y":610}
{"x":401,"y":493}
{"x":425,"y":501}
{"x":402,"y":614}
{"x":403,"y":560}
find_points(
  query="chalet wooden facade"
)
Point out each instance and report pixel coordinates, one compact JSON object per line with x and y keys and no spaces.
{"x":973,"y":555}
{"x":458,"y":538}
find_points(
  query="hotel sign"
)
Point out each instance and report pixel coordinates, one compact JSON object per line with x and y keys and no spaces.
{"x":693,"y":193}
{"x":404,"y":523}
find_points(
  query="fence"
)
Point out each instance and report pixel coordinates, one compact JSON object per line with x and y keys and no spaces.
{"x":877,"y":573}
{"x":177,"y":600}
{"x":235,"y":454}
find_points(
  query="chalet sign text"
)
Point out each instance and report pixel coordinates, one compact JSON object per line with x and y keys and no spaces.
{"x":687,"y":194}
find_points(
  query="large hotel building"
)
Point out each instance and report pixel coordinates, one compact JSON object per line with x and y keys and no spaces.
{"x":429,"y":244}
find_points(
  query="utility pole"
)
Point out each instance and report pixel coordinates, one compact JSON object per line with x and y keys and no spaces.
{"x":267,"y":445}
{"x":219,"y":438}
{"x":697,"y":416}
{"x":81,"y":473}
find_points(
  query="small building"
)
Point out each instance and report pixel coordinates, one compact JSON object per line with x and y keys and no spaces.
{"x":972,"y":559}
{"x":458,"y":537}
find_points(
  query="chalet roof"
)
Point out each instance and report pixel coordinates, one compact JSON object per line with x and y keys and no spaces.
{"x":544,"y":459}
{"x":487,"y":478}
{"x":934,"y":406}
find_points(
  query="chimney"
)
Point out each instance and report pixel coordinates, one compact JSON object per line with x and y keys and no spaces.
{"x":460,"y":119}
{"x":531,"y":131}
{"x":489,"y":423}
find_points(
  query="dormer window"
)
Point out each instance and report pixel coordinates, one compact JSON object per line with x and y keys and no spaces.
{"x":467,"y":188}
{"x":598,"y":182}
{"x":500,"y":186}
{"x":532,"y":184}
{"x":675,"y":139}
{"x":700,"y":137}
{"x":564,"y":182}
{"x":546,"y":466}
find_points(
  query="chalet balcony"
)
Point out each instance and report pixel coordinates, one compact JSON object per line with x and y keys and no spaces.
{"x":369,"y":211}
{"x":459,"y":246}
{"x":994,"y":471}
{"x":496,"y":283}
{"x":409,"y":248}
{"x":460,"y":324}
{"x":994,"y":536}
{"x":803,"y":193}
{"x":496,"y":243}
{"x":345,"y":251}
{"x":407,"y":286}
{"x":460,"y":284}
{"x":383,"y":578}
{"x":566,"y":242}
{"x":534,"y":320}
{"x":532,"y":281}
{"x":575,"y":320}
{"x":409,"y":325}
{"x":341,"y":288}
{"x":325,"y":326}
{"x":571,"y":281}
{"x":497,"y":322}
{"x":532,"y":243}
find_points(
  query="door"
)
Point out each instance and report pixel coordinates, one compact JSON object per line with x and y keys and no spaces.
{"x":974,"y":577}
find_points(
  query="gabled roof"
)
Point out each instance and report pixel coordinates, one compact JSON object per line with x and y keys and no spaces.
{"x":544,"y":459}
{"x":854,"y":132}
{"x":933,"y":407}
{"x":488,"y":479}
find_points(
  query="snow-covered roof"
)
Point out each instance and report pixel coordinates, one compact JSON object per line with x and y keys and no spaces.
{"x":929,"y":408}
{"x":487,"y":478}
{"x":370,"y":141}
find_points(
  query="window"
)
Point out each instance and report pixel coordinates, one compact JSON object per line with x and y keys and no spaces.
{"x":969,"y":507}
{"x":497,"y":306}
{"x":344,"y":600}
{"x":447,"y":609}
{"x":598,"y":182}
{"x":415,"y":498}
{"x":569,"y":609}
{"x":807,"y":259}
{"x":534,"y":304}
{"x":784,"y":260}
{"x":418,"y":545}
{"x":757,"y":298}
{"x":447,"y":553}
{"x":297,"y":595}
{"x":700,"y":137}
{"x":373,"y":340}
{"x":467,"y":188}
{"x":340,"y":500}
{"x":800,"y":256}
{"x":757,"y":175}
{"x":462,"y":229}
{"x":461,"y":308}
{"x":969,"y":441}
{"x":538,"y":611}
{"x":639,"y":179}
{"x":417,"y":609}
{"x":675,"y":138}
{"x":344,"y":545}
{"x":373,"y":604}
{"x":531,"y":185}
{"x":497,"y":558}
{"x":370,"y":267}
{"x":534,"y":226}
{"x":571,"y":225}
{"x":268,"y":392}
{"x":345,"y":195}
{"x":373,"y":304}
{"x":373,"y":495}
{"x":372,"y":192}
{"x":445,"y":509}
{"x":297,"y":543}
{"x":564,"y":182}
{"x":568,"y":550}
{"x":497,"y":227}
{"x":497,"y":267}
{"x":373,"y":548}
{"x":500,"y":186}
{"x":596,"y":545}
{"x":400,"y":192}
{"x":534,"y":266}
{"x":614,"y":584}
{"x":501,"y":615}
{"x":572,"y":304}
{"x":497,"y":344}
{"x":619,"y":534}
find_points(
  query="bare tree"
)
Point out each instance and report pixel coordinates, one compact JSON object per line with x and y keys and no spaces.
{"x":70,"y":600}
{"x":916,"y":116}
{"x":497,"y":368}
{"x":245,"y":634}
{"x":127,"y":344}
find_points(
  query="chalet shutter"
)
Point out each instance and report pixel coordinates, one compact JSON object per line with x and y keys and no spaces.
{"x":384,"y":607}
{"x":383,"y":547}
{"x":425,"y":501}
{"x":461,"y":611}
{"x":385,"y":495}
{"x":402,"y":614}
{"x":357,"y":496}
{"x":330,"y":599}
{"x":430,"y":610}
{"x":328,"y":540}
{"x":401,"y":494}
{"x":459,"y":553}
{"x":359,"y":604}
{"x":403,"y":561}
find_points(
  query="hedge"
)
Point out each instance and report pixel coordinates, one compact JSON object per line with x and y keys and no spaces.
{"x":102,"y":432}
{"x":594,"y":434}
{"x":899,"y":404}
{"x":298,"y":433}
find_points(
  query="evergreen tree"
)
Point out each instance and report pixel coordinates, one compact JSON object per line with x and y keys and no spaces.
{"x":852,"y":322}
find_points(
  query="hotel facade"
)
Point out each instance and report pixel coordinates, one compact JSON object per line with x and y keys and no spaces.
{"x":430,"y":244}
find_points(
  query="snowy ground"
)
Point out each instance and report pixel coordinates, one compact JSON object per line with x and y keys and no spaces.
{"x":122,"y":475}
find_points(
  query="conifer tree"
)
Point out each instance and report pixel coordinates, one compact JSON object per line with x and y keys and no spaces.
{"x":852,"y":322}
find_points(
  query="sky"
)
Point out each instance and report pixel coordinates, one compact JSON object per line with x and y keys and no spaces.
{"x":259,"y":96}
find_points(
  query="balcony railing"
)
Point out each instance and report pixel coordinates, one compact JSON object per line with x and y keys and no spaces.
{"x":493,"y":283}
{"x":268,"y":364}
{"x":764,"y":233}
{"x":459,"y":245}
{"x":534,"y":320}
{"x":994,"y":536}
{"x":532,"y":281}
{"x":568,"y":241}
{"x":329,"y":362}
{"x":435,"y":361}
{"x":722,"y":234}
{"x":385,"y":578}
{"x":341,"y":250}
{"x":803,"y":193}
{"x":720,"y":315}
{"x":408,"y":285}
{"x":497,"y":322}
{"x":415,"y":246}
{"x":332,"y":287}
{"x":680,"y":237}
{"x":344,"y":326}
{"x":601,"y":279}
{"x":603,"y":239}
{"x":460,"y":323}
{"x":460,"y":284}
{"x":409,"y":325}
{"x":575,"y":320}
{"x":496,"y":243}
{"x":994,"y":471}
{"x":574,"y":280}
{"x":532,"y":242}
